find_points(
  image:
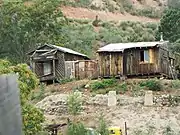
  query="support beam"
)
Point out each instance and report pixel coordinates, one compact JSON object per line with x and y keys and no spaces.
{"x":54,"y":70}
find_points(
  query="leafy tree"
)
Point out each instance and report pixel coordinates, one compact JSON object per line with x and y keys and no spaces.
{"x":32,"y":117}
{"x":23,"y":26}
{"x":79,"y":38}
{"x":170,"y":25}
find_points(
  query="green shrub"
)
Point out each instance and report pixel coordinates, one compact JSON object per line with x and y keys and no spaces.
{"x":126,"y":32}
{"x":66,"y":80}
{"x":76,"y":129}
{"x":32,"y":117}
{"x":109,"y":82}
{"x":137,"y":90}
{"x":175,"y":84}
{"x":97,"y":85}
{"x":121,"y":88}
{"x":149,"y":12}
{"x":105,"y":83}
{"x":74,"y":103}
{"x":39,"y":94}
{"x":102,"y":127}
{"x":152,"y":84}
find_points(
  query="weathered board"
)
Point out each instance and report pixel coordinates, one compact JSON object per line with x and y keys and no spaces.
{"x":86,"y":69}
{"x":110,"y":64}
{"x":70,"y":69}
{"x":10,"y":109}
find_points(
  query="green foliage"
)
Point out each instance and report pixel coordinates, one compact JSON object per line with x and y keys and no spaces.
{"x":121,"y":88}
{"x":127,"y":32}
{"x":174,"y":100}
{"x":152,"y":84}
{"x":32,"y":117}
{"x":66,"y":80}
{"x":137,"y":90}
{"x":97,"y":85}
{"x":175,"y":84}
{"x":148,"y":12}
{"x":105,"y":83}
{"x":23,"y":27}
{"x":39,"y":94}
{"x":169,"y":131}
{"x":102,"y":127}
{"x":109,"y":82}
{"x":76,"y":129}
{"x":79,"y":38}
{"x":74,"y":102}
{"x":79,"y":3}
{"x":170,"y":25}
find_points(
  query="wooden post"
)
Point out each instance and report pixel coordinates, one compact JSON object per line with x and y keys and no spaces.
{"x":54,"y":71}
{"x":125,"y":128}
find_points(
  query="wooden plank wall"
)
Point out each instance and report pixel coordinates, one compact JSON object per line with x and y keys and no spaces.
{"x":72,"y":57}
{"x":39,"y":69}
{"x":110,"y":64}
{"x":86,"y":69}
{"x":128,"y":63}
{"x":163,"y":61}
{"x":60,"y":65}
{"x":133,"y":66}
{"x":70,"y":69}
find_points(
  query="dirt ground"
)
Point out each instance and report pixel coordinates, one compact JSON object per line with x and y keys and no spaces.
{"x":84,"y":13}
{"x":141,"y":120}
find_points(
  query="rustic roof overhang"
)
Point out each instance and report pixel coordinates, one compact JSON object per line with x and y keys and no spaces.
{"x":120,"y":47}
{"x":59,"y":48}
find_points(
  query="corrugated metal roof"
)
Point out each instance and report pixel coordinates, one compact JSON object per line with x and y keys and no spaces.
{"x":119,"y":47}
{"x":67,"y":50}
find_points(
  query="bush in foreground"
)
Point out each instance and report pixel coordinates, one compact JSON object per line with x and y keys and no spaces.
{"x":152,"y":84}
{"x":32,"y":117}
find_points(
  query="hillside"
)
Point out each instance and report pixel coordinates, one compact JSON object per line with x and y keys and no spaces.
{"x":76,"y":28}
{"x":84,"y":13}
{"x":148,"y":8}
{"x":119,"y":21}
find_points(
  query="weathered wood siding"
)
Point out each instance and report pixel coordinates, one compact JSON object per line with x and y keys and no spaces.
{"x":110,"y":64}
{"x":60,"y":65}
{"x":57,"y":59}
{"x":39,"y":68}
{"x":70,"y":69}
{"x":86,"y":69}
{"x":72,"y":57}
{"x":164,"y":61}
{"x":132,"y":64}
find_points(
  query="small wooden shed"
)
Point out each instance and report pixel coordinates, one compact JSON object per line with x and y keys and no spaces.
{"x":134,"y":59}
{"x":52,"y":62}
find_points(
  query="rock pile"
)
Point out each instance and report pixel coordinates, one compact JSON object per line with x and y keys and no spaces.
{"x":98,"y":100}
{"x":167,"y":100}
{"x":54,"y":104}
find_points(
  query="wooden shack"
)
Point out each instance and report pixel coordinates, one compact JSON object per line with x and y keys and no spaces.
{"x":86,"y":69}
{"x":136,"y":59}
{"x":50,"y":62}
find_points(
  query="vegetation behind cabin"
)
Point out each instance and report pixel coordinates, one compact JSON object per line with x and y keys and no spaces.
{"x":22,"y":28}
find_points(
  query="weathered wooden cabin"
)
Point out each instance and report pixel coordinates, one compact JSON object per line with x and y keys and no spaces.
{"x":135,"y":59}
{"x":51,"y":62}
